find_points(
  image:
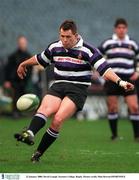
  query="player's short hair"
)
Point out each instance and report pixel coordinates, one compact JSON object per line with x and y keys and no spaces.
{"x":69,"y":25}
{"x":120,"y":21}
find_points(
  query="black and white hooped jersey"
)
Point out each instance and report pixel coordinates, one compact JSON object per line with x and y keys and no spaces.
{"x":121,"y":55}
{"x":73,"y":65}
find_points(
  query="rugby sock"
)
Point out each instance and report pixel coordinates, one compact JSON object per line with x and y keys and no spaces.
{"x":37,"y":123}
{"x":113,"y":123}
{"x":135,"y":124}
{"x":48,"y":138}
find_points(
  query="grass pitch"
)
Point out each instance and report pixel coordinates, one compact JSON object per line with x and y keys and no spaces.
{"x":82,"y":147}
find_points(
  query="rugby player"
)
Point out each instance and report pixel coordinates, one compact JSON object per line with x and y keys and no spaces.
{"x":73,"y":60}
{"x":121,"y":53}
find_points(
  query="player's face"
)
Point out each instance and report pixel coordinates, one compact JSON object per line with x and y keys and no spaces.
{"x":68,"y":39}
{"x":121,"y":31}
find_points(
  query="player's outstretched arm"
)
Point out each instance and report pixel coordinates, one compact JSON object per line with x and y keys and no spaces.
{"x":22,"y":68}
{"x":110,"y":75}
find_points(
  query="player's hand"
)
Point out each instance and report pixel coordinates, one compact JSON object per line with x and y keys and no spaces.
{"x":21,"y":71}
{"x":126,"y":85}
{"x":134,"y":77}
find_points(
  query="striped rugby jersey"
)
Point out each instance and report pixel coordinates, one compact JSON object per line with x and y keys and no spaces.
{"x":121,"y":55}
{"x":73,"y":65}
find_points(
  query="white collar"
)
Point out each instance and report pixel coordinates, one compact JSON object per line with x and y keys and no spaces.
{"x":79,"y":43}
{"x":115,"y":37}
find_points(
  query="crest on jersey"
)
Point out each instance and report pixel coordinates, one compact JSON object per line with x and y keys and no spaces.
{"x":80,"y":55}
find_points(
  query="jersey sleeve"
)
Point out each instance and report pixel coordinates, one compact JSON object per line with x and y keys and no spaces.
{"x":136,"y":63}
{"x":44,"y":58}
{"x":99,"y":62}
{"x":137,"y":53}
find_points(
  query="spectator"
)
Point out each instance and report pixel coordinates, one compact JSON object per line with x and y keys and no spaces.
{"x":12,"y":81}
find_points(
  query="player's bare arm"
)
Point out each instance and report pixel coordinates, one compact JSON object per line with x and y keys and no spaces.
{"x":22,"y":68}
{"x":110,"y":75}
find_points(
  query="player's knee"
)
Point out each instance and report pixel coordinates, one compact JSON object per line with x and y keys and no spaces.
{"x":57,"y":122}
{"x":112,"y":109}
{"x":45,"y":110}
{"x":134,"y":108}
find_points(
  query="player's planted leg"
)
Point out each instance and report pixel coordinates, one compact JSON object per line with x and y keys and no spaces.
{"x":48,"y":138}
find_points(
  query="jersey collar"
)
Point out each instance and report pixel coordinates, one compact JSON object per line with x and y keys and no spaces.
{"x":79,"y":43}
{"x":115,"y":37}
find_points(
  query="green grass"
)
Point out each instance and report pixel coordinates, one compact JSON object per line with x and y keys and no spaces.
{"x":82,"y":147}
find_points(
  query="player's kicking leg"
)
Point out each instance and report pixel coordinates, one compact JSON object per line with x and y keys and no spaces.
{"x":66,"y":110}
{"x":50,"y":104}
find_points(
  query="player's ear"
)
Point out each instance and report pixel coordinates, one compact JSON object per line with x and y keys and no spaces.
{"x":76,"y":35}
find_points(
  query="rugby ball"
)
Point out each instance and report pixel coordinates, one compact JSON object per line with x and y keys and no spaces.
{"x":28,"y":102}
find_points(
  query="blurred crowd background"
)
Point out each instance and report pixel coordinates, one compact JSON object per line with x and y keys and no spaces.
{"x":38,"y":21}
